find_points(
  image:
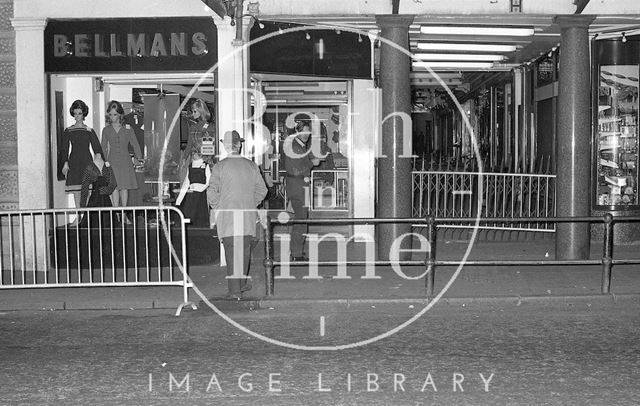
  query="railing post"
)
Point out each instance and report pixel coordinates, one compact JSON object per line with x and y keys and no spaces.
{"x":607,"y":254}
{"x":430,"y":260}
{"x":268,"y":258}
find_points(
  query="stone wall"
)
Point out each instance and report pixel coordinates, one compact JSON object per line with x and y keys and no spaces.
{"x":8,"y":132}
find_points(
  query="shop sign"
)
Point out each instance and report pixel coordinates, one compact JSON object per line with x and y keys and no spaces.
{"x":131,"y":45}
{"x":312,"y":53}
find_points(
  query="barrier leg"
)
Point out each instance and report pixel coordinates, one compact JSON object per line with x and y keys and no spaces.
{"x":430,"y":260}
{"x":185,"y":300}
{"x":607,"y":254}
{"x":268,"y":259}
{"x":186,"y":282}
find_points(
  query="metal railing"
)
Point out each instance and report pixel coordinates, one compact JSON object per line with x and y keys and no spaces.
{"x":430,"y":262}
{"x":132,"y":246}
{"x":510,"y":195}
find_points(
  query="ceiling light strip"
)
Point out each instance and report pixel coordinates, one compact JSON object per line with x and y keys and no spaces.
{"x":460,"y":65}
{"x":459,"y":57}
{"x":467,"y":30}
{"x":444,"y":46}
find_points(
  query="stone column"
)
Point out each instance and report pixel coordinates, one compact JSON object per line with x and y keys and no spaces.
{"x":394,"y":172}
{"x":231,"y":75}
{"x":573,"y":191}
{"x":31,"y":108}
{"x":230,"y":81}
{"x":34,"y":156}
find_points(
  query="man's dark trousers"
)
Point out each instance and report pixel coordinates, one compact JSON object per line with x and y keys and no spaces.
{"x":296,"y":193}
{"x":238,"y":254}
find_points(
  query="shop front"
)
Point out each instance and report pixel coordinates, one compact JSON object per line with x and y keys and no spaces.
{"x":151,"y":67}
{"x":324,"y":78}
{"x":153,"y":60}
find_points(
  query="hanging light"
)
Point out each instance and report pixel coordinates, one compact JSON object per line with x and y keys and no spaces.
{"x":307,"y":36}
{"x":624,"y":37}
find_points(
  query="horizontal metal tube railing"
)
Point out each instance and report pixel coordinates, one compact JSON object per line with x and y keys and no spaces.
{"x":451,"y":263}
{"x":443,"y":220}
{"x":607,"y":261}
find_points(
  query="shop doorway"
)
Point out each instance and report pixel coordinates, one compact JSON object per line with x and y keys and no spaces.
{"x":326,"y":106}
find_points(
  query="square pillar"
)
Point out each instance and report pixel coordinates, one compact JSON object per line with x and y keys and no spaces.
{"x":31,"y":108}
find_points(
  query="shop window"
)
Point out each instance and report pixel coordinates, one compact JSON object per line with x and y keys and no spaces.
{"x":329,"y":180}
{"x":617,"y":137}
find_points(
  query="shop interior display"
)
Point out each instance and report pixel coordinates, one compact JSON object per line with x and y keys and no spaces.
{"x":617,"y":136}
{"x":329,"y":181}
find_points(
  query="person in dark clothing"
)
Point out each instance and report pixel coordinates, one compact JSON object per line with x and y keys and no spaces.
{"x":192,"y":198}
{"x":298,"y":162}
{"x":100,"y":178}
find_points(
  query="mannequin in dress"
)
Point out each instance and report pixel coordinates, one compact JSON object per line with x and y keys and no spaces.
{"x":199,"y":128}
{"x":116,"y":137}
{"x":78,"y":138}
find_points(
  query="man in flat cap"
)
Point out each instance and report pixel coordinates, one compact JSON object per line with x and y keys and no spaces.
{"x":298,"y":162}
{"x":235,"y":190}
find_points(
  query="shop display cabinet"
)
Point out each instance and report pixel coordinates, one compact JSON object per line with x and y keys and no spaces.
{"x":616,"y":138}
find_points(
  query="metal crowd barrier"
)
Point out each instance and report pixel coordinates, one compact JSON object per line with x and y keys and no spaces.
{"x":512,"y":195}
{"x":430,"y":262}
{"x":116,"y":247}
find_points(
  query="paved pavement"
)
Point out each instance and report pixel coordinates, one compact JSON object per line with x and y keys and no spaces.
{"x":472,"y":283}
{"x":477,"y":355}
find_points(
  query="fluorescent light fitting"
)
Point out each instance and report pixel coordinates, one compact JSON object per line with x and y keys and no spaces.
{"x":460,"y":65}
{"x":445,"y":46}
{"x":458,"y":57}
{"x":466,"y":30}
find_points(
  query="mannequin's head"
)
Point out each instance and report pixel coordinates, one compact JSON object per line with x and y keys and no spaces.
{"x":200,"y":111}
{"x":79,"y":110}
{"x":115,"y":112}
